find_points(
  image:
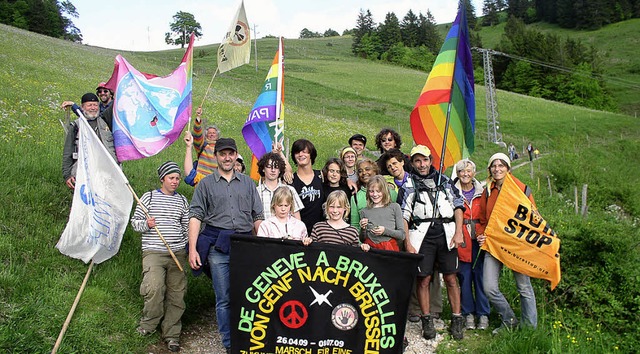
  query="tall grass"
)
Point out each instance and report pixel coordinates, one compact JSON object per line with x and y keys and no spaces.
{"x":329,"y":96}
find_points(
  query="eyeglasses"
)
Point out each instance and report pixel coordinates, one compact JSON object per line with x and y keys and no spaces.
{"x":387,"y":140}
{"x":103,"y":91}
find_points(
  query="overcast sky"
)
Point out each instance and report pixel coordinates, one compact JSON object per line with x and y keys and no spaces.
{"x":140,"y":25}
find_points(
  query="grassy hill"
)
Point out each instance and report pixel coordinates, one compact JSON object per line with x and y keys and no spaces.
{"x":617,"y":44}
{"x":329,"y":96}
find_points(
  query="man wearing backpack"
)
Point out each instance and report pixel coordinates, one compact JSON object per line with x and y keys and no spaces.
{"x":433,"y":212}
{"x":91,"y":110}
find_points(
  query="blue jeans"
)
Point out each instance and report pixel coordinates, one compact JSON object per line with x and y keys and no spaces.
{"x":492,"y":269}
{"x":471,"y":282}
{"x":219,"y":265}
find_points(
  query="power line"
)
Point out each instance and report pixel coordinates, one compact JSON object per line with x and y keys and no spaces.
{"x":619,"y":81}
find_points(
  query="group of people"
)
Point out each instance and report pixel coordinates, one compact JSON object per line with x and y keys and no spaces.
{"x":397,"y":202}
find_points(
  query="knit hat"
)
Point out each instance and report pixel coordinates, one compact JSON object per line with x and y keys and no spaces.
{"x":168,"y":168}
{"x":422,"y":150}
{"x":89,"y":97}
{"x":346,"y":150}
{"x":499,"y":156}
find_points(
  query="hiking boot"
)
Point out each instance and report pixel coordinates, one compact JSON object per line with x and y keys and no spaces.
{"x":506,"y":326}
{"x":457,"y":327}
{"x":173,"y":345}
{"x":483,"y":322}
{"x":144,"y":332}
{"x":470,"y":322}
{"x":428,"y":330}
{"x":438,"y":323}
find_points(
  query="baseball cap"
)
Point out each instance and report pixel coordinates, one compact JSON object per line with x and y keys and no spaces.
{"x":225,"y":143}
{"x":421,"y":149}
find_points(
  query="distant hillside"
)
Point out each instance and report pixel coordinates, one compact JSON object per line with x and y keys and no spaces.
{"x":617,"y":43}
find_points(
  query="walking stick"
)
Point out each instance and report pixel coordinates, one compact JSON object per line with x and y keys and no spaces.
{"x":146,"y":212}
{"x":73,"y":309}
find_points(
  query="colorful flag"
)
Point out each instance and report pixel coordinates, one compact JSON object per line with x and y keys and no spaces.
{"x":447,"y":99}
{"x":265,"y":123}
{"x":235,"y":48}
{"x":101,"y":202}
{"x":520,"y":238}
{"x":149,"y":112}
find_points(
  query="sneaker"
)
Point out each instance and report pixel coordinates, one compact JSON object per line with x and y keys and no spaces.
{"x":506,"y":326}
{"x":173,"y":345}
{"x":414,"y":318}
{"x":144,"y":332}
{"x":483,"y":322}
{"x":457,"y":327}
{"x":438,"y":323}
{"x":470,"y":322}
{"x":428,"y":330}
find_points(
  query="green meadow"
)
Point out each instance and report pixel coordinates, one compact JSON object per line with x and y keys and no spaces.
{"x":329,"y":95}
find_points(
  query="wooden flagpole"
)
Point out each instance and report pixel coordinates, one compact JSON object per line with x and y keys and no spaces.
{"x":146,"y":212}
{"x":73,"y":309}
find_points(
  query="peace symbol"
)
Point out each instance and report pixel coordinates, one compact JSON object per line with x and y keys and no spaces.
{"x":293,"y":314}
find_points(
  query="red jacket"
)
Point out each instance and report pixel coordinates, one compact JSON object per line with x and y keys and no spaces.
{"x":486,"y":204}
{"x":471,"y":219}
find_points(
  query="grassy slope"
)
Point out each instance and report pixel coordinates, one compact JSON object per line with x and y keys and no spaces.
{"x":329,"y":95}
{"x":617,"y":43}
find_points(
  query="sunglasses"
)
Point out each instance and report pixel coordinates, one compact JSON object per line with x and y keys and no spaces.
{"x":387,"y":139}
{"x":103,"y":91}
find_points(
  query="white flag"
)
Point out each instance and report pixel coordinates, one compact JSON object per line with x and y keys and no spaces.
{"x":101,"y":202}
{"x":235,"y":48}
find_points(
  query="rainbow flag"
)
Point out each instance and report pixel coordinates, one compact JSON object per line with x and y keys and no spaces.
{"x":265,"y":123}
{"x":445,"y":111}
{"x":149,"y":112}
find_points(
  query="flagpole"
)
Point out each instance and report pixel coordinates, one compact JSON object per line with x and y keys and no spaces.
{"x":146,"y":212}
{"x":209,"y":87}
{"x":448,"y":119}
{"x":279,"y":90}
{"x":73,"y":310}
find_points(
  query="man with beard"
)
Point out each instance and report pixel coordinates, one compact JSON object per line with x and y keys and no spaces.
{"x":433,"y":212}
{"x":106,"y":96}
{"x":91,"y":110}
{"x":227,"y":202}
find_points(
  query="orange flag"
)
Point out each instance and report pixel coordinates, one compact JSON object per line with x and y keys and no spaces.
{"x":520,"y":238}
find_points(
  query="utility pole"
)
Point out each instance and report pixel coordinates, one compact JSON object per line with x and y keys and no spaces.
{"x":255,"y":44}
{"x":491,"y":104}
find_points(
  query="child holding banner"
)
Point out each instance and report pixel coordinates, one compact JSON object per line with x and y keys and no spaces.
{"x":499,"y":167}
{"x":282,"y":224}
{"x":381,"y":223}
{"x":335,"y":230}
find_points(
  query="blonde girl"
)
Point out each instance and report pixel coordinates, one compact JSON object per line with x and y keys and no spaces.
{"x":381,"y":223}
{"x":282,"y":224}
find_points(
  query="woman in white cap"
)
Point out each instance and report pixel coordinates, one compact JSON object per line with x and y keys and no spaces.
{"x":499,"y":166}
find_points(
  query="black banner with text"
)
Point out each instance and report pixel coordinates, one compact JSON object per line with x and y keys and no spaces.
{"x":319,"y":299}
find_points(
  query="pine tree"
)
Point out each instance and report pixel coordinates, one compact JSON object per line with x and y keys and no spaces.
{"x":410,"y":29}
{"x":389,"y":32}
{"x":364,"y":26}
{"x":429,"y":35}
{"x":490,"y":12}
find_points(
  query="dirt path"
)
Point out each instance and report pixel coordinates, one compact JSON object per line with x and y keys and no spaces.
{"x":202,"y":337}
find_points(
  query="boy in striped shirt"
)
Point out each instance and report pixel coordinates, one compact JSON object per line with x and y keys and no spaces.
{"x":163,"y":283}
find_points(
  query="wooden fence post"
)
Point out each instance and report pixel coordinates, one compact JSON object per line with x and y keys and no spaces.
{"x":575,"y":194}
{"x":584,"y":201}
{"x":549,"y":184}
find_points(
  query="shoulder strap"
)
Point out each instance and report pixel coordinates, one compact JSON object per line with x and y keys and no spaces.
{"x":204,"y":145}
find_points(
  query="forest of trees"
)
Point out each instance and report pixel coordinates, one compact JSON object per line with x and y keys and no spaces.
{"x":535,"y":64}
{"x":592,"y":14}
{"x":49,"y":17}
{"x":413,"y":41}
